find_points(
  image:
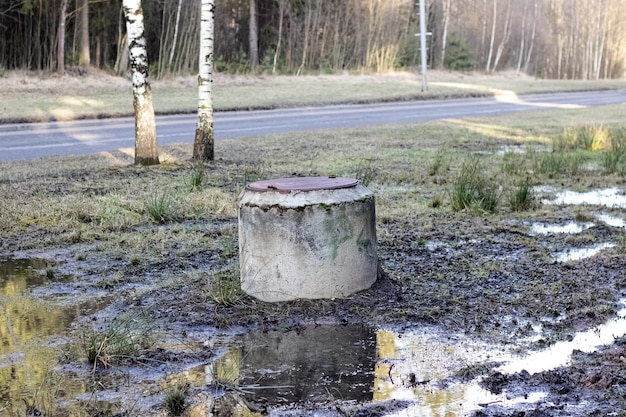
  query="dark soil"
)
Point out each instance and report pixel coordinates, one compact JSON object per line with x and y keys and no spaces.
{"x":594,"y":385}
{"x":484,"y":277}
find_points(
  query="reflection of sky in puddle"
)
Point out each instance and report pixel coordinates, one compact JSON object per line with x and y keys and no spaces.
{"x":578,"y":254}
{"x":412,"y":366}
{"x":560,"y":353}
{"x":608,"y":197}
{"x":570,"y":228}
{"x":611,"y":220}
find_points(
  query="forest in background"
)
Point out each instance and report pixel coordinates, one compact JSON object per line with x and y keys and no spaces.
{"x":562,"y":39}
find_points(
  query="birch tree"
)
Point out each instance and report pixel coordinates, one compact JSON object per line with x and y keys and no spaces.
{"x":493,"y":35}
{"x":520,"y":55}
{"x":169,"y":62}
{"x":444,"y":36}
{"x":204,"y":142}
{"x":505,"y":36}
{"x":282,"y":5}
{"x":146,"y":152}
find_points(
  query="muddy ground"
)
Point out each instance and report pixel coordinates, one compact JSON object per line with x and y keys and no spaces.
{"x":485,"y":277}
{"x":475,"y":275}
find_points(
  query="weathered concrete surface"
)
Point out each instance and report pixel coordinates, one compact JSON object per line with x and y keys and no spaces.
{"x":307,"y":244}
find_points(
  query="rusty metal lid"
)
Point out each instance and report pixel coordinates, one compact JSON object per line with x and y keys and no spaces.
{"x":287,"y":185}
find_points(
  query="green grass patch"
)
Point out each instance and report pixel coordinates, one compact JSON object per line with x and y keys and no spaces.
{"x":176,"y":397}
{"x":522,"y":197}
{"x":613,"y":159}
{"x":124,"y":338}
{"x":162,"y":207}
{"x":225,"y":288}
{"x":472,"y":190}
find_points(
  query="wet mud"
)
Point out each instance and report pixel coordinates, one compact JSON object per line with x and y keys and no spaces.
{"x":457,"y":299}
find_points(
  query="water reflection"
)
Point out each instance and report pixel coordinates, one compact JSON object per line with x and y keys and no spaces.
{"x":362,"y":365}
{"x":353,"y":363}
{"x":17,"y":275}
{"x":578,"y":254}
{"x":611,"y":220}
{"x":23,"y":318}
{"x":560,"y":353}
{"x":608,"y":197}
{"x":316,"y":364}
{"x":420,"y":369}
{"x":26,"y":362}
{"x":568,"y":228}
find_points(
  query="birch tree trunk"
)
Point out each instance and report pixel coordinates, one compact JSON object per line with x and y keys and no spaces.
{"x":533,"y":33}
{"x":505,"y":36}
{"x":523,"y":38}
{"x":493,"y":36}
{"x":204,"y":142}
{"x":281,"y":17}
{"x":307,"y":26}
{"x":171,"y":58}
{"x":444,"y":36}
{"x":146,"y":152}
{"x":483,"y":30}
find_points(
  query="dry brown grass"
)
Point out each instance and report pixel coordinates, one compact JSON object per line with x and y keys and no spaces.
{"x":91,"y":212}
{"x":43,"y":97}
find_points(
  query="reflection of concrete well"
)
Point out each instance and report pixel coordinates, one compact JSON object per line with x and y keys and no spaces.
{"x":315,"y":364}
{"x":307,"y":237}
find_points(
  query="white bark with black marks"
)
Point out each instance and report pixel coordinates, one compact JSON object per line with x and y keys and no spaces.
{"x":203,"y":146}
{"x":146,"y":152}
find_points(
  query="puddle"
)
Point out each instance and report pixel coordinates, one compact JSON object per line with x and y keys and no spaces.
{"x":608,"y":197}
{"x":25,"y":317}
{"x":25,"y":322}
{"x":358,"y":364}
{"x":560,"y":354}
{"x":361,"y":365}
{"x":611,"y":220}
{"x":316,"y":365}
{"x":568,"y":228}
{"x":578,"y":254}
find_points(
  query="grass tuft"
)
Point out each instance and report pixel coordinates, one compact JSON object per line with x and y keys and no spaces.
{"x":161,"y":208}
{"x":196,"y":178}
{"x":586,"y":137}
{"x":125,"y":337}
{"x":366,"y":172}
{"x":175,"y":398}
{"x":613,"y":157}
{"x":472,"y":191}
{"x":558,"y":164}
{"x":225,"y":288}
{"x":436,"y":164}
{"x":621,"y":243}
{"x":522,"y":198}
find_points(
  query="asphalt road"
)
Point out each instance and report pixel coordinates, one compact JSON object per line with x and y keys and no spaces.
{"x":28,"y":141}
